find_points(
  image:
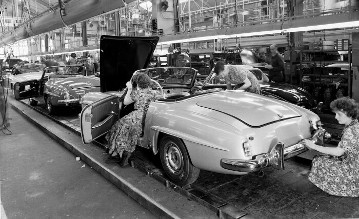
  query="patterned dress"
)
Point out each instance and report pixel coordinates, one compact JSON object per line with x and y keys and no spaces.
{"x":339,"y":175}
{"x":237,"y":75}
{"x":126,"y":131}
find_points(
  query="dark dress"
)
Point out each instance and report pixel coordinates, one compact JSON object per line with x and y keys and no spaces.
{"x":125,"y":133}
{"x":276,"y":74}
{"x":339,"y":176}
{"x":237,"y":75}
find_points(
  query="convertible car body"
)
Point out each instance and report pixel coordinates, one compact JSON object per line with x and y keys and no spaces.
{"x":230,"y":132}
{"x":57,"y":89}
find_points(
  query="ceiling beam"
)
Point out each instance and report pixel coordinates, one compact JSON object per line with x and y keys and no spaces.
{"x":265,"y":26}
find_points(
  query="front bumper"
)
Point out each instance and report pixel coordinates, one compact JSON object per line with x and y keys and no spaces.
{"x":274,"y":158}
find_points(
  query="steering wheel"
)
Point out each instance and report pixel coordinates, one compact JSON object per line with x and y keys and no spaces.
{"x":160,"y":87}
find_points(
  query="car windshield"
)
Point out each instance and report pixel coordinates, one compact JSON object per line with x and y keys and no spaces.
{"x":27,"y":68}
{"x":171,"y":75}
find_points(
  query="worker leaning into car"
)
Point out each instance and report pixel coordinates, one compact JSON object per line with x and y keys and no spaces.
{"x":238,"y":75}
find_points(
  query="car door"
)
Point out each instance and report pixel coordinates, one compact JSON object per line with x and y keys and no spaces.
{"x":97,"y":118}
{"x":30,"y":88}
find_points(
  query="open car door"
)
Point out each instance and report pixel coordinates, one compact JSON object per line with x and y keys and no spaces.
{"x":31,"y":88}
{"x":97,"y":118}
{"x":26,"y":89}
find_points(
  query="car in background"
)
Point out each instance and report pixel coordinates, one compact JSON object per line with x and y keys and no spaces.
{"x":58,"y":89}
{"x":8,"y":64}
{"x":229,"y":132}
{"x":23,"y":72}
{"x":281,"y":91}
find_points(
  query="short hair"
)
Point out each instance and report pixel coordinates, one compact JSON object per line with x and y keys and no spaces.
{"x":347,"y":105}
{"x":218,"y":67}
{"x":142,"y":80}
{"x":273,"y":46}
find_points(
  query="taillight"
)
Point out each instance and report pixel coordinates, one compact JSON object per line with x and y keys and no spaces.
{"x":247,"y":148}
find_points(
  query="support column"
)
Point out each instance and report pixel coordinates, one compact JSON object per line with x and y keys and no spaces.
{"x":84,"y":33}
{"x":46,"y":40}
{"x":117,"y":24}
{"x":295,"y":8}
{"x":355,"y":66}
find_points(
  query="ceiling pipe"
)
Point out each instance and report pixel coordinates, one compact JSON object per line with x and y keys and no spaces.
{"x":76,"y":11}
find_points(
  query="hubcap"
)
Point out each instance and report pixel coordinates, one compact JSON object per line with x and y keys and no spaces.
{"x":174,"y":158}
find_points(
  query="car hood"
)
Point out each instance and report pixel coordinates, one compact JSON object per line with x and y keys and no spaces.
{"x":121,"y":56}
{"x":252,"y":109}
{"x":290,"y":93}
{"x":76,"y":84}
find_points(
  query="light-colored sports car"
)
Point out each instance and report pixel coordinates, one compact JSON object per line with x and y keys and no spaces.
{"x":230,"y":132}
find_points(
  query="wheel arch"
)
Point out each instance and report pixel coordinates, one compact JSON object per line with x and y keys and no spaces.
{"x":159,"y":135}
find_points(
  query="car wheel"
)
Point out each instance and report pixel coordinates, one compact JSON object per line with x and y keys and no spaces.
{"x":33,"y":102}
{"x":49,"y":105}
{"x":176,"y":162}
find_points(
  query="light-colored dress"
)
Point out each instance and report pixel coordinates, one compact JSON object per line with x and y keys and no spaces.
{"x":125,"y":133}
{"x":339,"y":175}
{"x":237,"y":75}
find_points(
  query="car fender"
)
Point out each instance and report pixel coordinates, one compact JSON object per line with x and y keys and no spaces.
{"x":184,"y":136}
{"x":196,"y":136}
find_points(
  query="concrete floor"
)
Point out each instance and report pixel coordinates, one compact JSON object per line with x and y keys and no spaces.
{"x":40,"y":179}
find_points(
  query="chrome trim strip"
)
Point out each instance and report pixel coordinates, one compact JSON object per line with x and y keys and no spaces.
{"x":187,"y":137}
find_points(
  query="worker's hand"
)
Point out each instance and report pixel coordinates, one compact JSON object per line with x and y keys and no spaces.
{"x":308,"y":143}
{"x":268,"y":66}
{"x":129,"y":85}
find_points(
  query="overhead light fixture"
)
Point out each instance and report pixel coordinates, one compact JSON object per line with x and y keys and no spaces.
{"x":194,"y":39}
{"x":88,"y":50}
{"x":204,"y":38}
{"x":341,"y":25}
{"x":260,"y":33}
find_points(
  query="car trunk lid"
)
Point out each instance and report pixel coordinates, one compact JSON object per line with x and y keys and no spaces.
{"x":253,"y":110}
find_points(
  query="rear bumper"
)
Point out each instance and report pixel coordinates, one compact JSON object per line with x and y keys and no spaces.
{"x":274,"y":158}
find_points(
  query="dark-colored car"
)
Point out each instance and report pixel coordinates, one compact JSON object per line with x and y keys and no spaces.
{"x":281,"y":91}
